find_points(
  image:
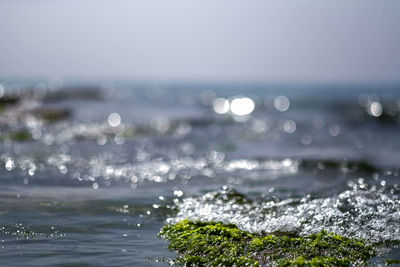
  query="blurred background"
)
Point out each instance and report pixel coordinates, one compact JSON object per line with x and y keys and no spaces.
{"x":117,"y":117}
{"x":268,"y":41}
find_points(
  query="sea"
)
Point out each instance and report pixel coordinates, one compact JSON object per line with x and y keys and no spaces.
{"x":91,"y":171}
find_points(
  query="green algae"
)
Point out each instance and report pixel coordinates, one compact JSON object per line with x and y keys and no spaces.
{"x":392,"y":261}
{"x":21,"y":136}
{"x":217,"y":244}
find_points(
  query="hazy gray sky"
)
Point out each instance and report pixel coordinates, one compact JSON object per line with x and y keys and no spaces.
{"x":307,"y":41}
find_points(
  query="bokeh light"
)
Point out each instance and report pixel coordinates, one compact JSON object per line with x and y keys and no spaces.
{"x":114,"y":119}
{"x":242,"y":106}
{"x":221,"y":106}
{"x":375,"y":109}
{"x":281,"y":103}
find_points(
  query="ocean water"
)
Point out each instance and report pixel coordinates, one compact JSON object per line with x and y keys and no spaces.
{"x":90,"y":173}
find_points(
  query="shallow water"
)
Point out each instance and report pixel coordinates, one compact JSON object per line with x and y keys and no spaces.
{"x":95,"y":185}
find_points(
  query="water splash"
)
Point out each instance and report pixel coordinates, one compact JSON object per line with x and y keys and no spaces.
{"x":369,"y":215}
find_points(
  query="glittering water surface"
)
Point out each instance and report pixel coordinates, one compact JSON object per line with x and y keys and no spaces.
{"x":89,"y":175}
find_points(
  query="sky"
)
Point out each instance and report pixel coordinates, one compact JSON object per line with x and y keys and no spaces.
{"x":224,"y":40}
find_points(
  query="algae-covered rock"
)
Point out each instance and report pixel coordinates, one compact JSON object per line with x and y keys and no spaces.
{"x":392,"y":261}
{"x":8,"y":101}
{"x":217,"y":244}
{"x":51,"y":115}
{"x":21,"y":136}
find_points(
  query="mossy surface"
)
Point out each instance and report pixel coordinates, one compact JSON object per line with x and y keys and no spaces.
{"x":217,"y":244}
{"x":392,"y":261}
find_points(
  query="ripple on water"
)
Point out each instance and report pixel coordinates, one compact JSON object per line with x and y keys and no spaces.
{"x":20,"y":231}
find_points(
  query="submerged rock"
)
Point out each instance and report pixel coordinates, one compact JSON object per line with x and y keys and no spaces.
{"x":8,"y":100}
{"x":75,"y":93}
{"x":21,"y":136}
{"x":355,"y":165}
{"x":217,"y":244}
{"x":52,"y":114}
